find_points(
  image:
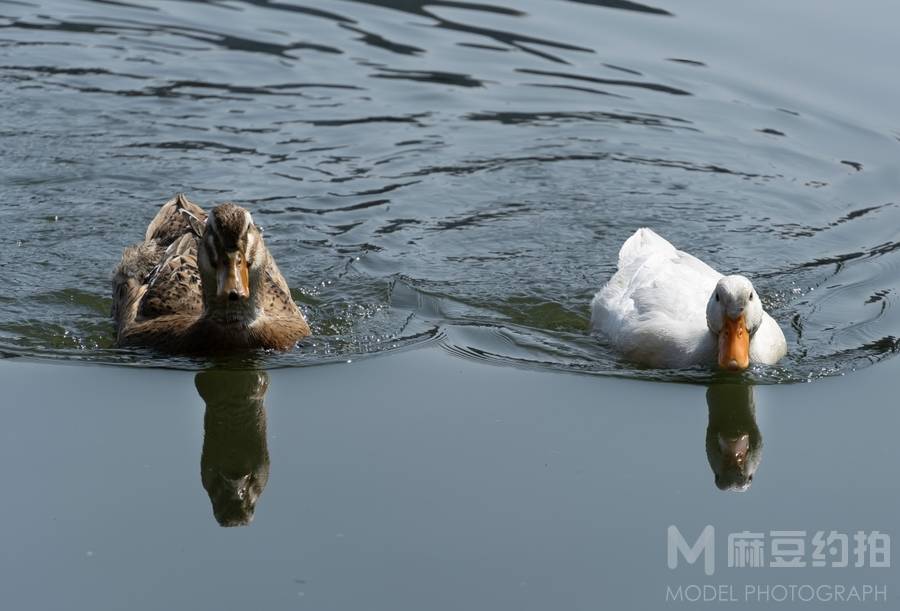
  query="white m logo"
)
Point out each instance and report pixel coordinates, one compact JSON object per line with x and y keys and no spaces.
{"x":705,"y":545}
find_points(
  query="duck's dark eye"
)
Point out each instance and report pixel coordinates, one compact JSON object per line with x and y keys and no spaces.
{"x":751,"y":296}
{"x":717,"y":296}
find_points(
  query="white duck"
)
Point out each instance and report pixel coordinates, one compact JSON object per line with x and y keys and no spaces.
{"x":666,"y":308}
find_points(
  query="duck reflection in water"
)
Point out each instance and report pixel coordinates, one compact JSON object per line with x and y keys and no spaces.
{"x":234,"y":465}
{"x":733,"y":441}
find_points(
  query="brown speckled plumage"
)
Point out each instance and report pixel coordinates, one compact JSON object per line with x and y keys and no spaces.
{"x":174,"y":285}
{"x":159,"y":297}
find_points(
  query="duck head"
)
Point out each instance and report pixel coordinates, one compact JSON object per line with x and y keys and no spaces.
{"x":733,"y":314}
{"x":231,"y":256}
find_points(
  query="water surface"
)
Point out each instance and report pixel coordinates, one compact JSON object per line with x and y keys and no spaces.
{"x":422,"y":481}
{"x":458,"y":172}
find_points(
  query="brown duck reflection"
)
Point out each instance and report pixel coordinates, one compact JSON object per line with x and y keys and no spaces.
{"x":234,"y":466}
{"x":733,"y":441}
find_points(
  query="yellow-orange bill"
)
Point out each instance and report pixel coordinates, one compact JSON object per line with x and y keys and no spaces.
{"x":734,"y":344}
{"x":234,"y":277}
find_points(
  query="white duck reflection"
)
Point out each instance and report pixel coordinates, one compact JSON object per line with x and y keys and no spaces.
{"x":733,"y":440}
{"x":234,"y":465}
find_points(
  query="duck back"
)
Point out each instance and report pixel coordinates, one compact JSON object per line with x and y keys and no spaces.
{"x":653,"y":308}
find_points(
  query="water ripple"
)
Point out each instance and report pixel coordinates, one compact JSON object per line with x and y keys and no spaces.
{"x":448,"y":172}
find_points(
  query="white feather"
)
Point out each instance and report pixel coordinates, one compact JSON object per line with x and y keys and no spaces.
{"x":653,"y":310}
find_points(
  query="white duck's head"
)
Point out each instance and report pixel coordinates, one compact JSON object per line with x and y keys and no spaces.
{"x":733,"y":314}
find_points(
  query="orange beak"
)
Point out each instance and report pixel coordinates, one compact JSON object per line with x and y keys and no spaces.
{"x":234,"y":278}
{"x":734,"y":344}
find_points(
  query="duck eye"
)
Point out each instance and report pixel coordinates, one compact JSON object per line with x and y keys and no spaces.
{"x":751,"y":296}
{"x":717,"y":295}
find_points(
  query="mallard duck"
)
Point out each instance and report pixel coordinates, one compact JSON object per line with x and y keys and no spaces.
{"x":203,"y":283}
{"x":666,"y":308}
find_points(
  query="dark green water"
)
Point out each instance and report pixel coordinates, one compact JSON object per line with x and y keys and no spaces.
{"x":444,"y":186}
{"x":462,"y":173}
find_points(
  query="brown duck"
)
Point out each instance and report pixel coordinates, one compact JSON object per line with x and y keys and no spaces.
{"x":203,"y":283}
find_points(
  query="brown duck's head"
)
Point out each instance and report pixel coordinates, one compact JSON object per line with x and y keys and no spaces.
{"x":230,"y":255}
